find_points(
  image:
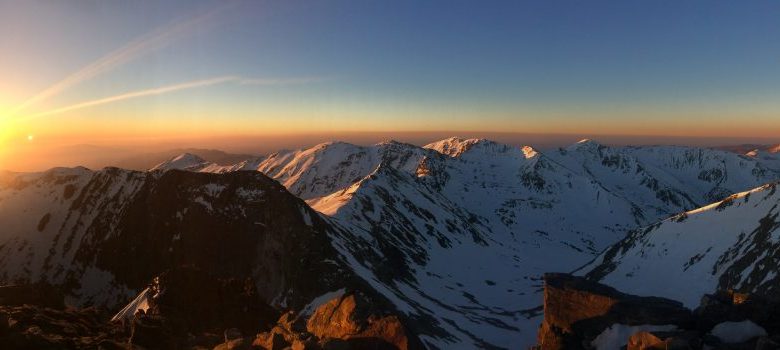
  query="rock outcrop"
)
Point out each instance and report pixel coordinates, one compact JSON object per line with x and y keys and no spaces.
{"x":582,"y":314}
{"x":348,"y":321}
{"x":353,"y":317}
{"x":576,"y":311}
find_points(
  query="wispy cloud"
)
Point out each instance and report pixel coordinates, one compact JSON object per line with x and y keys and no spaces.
{"x":289,"y":81}
{"x":133,"y":50}
{"x":177,"y":87}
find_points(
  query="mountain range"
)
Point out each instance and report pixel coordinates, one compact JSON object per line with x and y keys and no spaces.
{"x":454,"y":236}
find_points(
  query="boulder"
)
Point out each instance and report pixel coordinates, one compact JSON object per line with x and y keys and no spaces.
{"x":353,"y":318}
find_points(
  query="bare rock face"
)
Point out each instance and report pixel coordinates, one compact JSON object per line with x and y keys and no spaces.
{"x":577,"y":310}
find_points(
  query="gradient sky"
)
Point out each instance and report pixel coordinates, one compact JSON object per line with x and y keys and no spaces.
{"x":104,"y":72}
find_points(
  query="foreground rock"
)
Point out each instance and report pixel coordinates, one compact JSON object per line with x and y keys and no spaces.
{"x":347,"y":321}
{"x":186,"y":301}
{"x":38,"y":327}
{"x":577,"y":311}
{"x":582,"y":314}
{"x":186,"y":308}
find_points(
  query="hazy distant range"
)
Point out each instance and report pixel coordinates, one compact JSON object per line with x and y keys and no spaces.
{"x":231,"y":150}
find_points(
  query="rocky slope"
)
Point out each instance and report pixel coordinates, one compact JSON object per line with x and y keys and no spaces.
{"x":188,"y":308}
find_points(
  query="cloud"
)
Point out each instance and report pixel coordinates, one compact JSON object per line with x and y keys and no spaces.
{"x":176,"y":87}
{"x":133,"y":50}
{"x":289,"y":81}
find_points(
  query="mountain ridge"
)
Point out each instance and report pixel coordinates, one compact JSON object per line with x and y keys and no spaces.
{"x":458,"y":241}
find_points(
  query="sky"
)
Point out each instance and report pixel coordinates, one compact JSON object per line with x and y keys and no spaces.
{"x":135,"y":74}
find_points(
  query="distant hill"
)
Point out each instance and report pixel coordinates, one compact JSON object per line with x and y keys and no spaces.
{"x":149,"y":160}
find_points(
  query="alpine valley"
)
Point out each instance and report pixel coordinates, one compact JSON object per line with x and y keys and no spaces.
{"x":443,"y":246}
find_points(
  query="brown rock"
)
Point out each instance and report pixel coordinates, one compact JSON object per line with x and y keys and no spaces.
{"x":305,"y":345}
{"x":577,"y":310}
{"x":664,"y":341}
{"x":338,"y":318}
{"x":270,"y":341}
{"x":352,"y":318}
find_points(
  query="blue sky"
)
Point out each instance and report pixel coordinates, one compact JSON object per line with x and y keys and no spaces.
{"x":646,"y":67}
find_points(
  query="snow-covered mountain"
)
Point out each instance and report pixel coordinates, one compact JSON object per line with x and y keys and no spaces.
{"x":103,"y":235}
{"x":771,"y":159}
{"x":459,"y":231}
{"x":184,"y":161}
{"x":455,"y":234}
{"x":733,"y":244}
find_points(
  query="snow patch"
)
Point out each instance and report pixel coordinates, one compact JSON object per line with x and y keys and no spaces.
{"x":320,"y":300}
{"x":737,"y":332}
{"x":141,"y":302}
{"x":616,"y":336}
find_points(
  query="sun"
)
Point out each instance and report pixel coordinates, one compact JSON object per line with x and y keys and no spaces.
{"x":30,"y":138}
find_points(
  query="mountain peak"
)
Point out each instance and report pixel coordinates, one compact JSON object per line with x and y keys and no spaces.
{"x":390,"y":142}
{"x":188,"y":157}
{"x":529,"y":152}
{"x":585,"y":144}
{"x":329,"y":144}
{"x":184,"y":161}
{"x":774,"y":149}
{"x":456,"y":146}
